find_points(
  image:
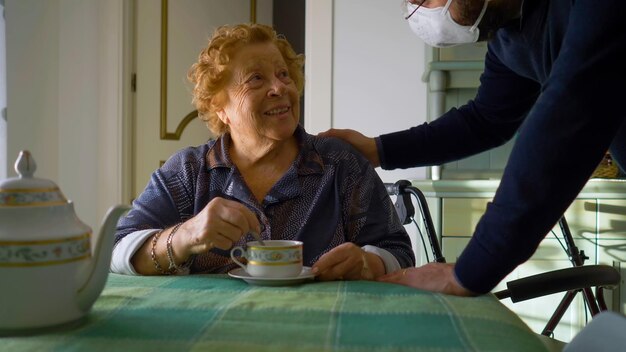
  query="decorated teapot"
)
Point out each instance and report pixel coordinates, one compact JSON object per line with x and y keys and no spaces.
{"x":48,"y":274}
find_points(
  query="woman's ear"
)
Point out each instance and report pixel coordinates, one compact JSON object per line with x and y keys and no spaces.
{"x":222,"y":116}
{"x":217,"y":104}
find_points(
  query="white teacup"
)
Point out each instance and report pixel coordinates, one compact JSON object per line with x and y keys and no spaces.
{"x":277,"y":258}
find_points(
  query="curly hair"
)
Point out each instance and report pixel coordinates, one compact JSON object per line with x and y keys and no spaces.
{"x":210,"y":73}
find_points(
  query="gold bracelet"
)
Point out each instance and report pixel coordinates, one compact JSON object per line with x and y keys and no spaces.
{"x":174,"y":269}
{"x":157,"y":266}
{"x":366,"y":274}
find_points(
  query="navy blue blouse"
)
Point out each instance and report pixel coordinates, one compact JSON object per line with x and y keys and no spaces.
{"x":329,"y":196}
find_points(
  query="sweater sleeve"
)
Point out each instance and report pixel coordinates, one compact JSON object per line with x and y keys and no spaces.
{"x":487,"y":121}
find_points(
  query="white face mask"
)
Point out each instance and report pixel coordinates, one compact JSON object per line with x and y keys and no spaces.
{"x":436,"y":27}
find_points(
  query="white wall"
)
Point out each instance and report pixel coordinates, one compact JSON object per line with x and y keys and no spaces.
{"x":363,"y":71}
{"x":64,"y":96}
{"x":376,"y":71}
{"x":32,"y":30}
{"x":377,"y":66}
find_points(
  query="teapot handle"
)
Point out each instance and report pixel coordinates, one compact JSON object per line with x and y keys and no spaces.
{"x":94,"y":278}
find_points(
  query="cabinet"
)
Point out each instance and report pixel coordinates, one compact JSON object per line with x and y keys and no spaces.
{"x":452,"y":76}
{"x":597,"y":222}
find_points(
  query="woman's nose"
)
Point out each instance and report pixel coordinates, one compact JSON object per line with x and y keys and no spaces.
{"x":277,"y":88}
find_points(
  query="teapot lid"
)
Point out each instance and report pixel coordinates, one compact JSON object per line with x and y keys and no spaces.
{"x":26,"y":190}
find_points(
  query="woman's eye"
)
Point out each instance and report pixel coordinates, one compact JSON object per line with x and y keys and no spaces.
{"x":284,"y":73}
{"x":254,"y":78}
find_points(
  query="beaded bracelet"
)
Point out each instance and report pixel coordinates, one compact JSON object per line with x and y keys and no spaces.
{"x":157,"y":266}
{"x":173,"y":269}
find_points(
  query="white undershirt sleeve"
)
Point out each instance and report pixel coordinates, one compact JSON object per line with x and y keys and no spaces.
{"x":391,"y":263}
{"x":126,"y":248}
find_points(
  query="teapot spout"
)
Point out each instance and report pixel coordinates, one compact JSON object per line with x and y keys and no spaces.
{"x":94,"y":278}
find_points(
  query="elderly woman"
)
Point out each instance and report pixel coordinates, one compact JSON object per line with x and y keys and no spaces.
{"x":263,"y":175}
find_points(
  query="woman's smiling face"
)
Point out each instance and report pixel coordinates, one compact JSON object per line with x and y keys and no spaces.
{"x":262,"y":102}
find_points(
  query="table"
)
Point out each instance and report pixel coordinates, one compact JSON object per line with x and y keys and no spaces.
{"x":220,"y":313}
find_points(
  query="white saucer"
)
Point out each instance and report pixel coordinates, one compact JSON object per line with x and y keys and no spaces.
{"x":305,"y":275}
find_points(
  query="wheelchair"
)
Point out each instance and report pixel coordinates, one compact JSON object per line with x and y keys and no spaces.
{"x":579,"y":278}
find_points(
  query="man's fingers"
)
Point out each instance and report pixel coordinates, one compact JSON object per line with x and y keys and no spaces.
{"x":337,"y":133}
{"x":436,"y":277}
{"x":329,"y":133}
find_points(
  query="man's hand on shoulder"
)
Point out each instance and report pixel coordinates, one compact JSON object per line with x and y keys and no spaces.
{"x":365,"y":145}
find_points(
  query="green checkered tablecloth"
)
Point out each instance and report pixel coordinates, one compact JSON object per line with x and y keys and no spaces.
{"x":219,"y":313}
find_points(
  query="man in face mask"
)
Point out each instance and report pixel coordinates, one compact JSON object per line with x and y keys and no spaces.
{"x":436,"y":27}
{"x":554,"y":72}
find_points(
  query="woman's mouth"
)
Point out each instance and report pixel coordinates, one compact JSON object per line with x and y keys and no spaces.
{"x":278,"y":111}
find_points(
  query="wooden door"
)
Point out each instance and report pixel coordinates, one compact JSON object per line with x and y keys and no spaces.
{"x":168,"y":38}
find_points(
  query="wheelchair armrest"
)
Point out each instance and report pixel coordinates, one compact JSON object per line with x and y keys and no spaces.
{"x":562,"y":280}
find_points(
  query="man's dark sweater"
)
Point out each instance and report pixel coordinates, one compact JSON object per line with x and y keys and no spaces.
{"x":555,"y":78}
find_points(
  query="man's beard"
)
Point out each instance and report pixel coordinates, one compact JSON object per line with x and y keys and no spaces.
{"x":499,"y":14}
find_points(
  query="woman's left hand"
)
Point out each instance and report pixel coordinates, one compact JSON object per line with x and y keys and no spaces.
{"x":344,"y":262}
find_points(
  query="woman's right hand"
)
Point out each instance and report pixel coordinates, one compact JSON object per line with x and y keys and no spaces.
{"x":365,"y":145}
{"x":220,"y":224}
